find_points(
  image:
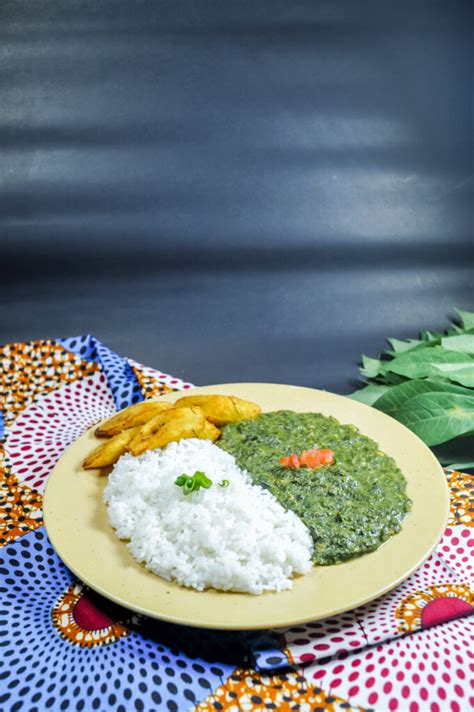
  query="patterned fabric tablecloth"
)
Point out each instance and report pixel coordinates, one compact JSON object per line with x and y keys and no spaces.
{"x":64,"y":647}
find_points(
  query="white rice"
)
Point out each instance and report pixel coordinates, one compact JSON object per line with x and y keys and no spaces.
{"x":235,"y":538}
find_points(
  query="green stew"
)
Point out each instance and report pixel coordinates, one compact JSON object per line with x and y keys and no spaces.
{"x":351,"y":506}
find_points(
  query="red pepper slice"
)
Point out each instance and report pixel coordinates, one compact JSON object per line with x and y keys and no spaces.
{"x":294,"y":461}
{"x":325,"y":456}
{"x":309,"y":458}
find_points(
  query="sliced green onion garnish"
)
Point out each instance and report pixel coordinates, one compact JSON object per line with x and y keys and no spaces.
{"x":192,"y":484}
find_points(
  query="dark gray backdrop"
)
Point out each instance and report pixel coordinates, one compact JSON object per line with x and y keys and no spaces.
{"x":235,"y":190}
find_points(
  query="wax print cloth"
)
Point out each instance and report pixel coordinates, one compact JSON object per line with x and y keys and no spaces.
{"x":63,"y":647}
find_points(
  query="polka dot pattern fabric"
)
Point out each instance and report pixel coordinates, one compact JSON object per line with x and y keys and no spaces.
{"x":64,"y":647}
{"x":82,"y":346}
{"x":320,"y":639}
{"x":461,"y":487}
{"x":20,"y":505}
{"x":49,"y":668}
{"x":267,"y":651}
{"x":154,"y":383}
{"x":121,"y":378}
{"x":42,"y":431}
{"x":30,"y":370}
{"x":457,"y":550}
{"x":426,"y":672}
{"x":378,"y":619}
{"x":244,"y":690}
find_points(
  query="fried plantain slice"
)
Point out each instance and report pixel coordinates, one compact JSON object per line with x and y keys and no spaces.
{"x":130,"y":417}
{"x":172,"y":425}
{"x":209,"y":432}
{"x":109,"y":452}
{"x":221,"y":410}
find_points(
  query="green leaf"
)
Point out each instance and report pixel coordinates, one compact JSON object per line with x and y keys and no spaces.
{"x":438,"y":417}
{"x":463,"y":343}
{"x":454,"y":330}
{"x":397,"y":396}
{"x":392,"y":379}
{"x":371,"y":366}
{"x":421,"y":364}
{"x":399,"y":347}
{"x":370,"y":393}
{"x":431,"y":336}
{"x":463,"y":465}
{"x":459,"y":373}
{"x":467,"y":318}
{"x":457,"y":453}
{"x":427,"y":383}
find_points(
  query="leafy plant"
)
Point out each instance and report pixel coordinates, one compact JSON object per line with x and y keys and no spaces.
{"x":428,"y":385}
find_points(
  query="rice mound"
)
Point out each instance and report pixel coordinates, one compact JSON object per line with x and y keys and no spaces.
{"x":234,"y":538}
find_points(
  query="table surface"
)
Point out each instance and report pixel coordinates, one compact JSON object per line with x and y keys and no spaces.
{"x":235,"y":191}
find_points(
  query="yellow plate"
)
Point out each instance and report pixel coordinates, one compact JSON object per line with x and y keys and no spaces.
{"x":77,"y":525}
